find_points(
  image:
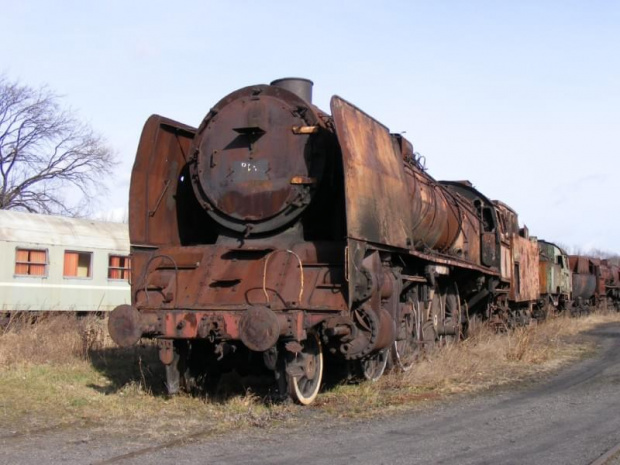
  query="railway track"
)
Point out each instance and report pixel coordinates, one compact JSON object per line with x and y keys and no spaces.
{"x":176,"y":443}
{"x":612,"y":456}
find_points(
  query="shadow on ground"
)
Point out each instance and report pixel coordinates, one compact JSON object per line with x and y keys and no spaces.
{"x":140,"y":366}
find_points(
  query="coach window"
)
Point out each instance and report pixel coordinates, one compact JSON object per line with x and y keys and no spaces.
{"x":30,"y":262}
{"x":119,"y":267}
{"x":78,"y":264}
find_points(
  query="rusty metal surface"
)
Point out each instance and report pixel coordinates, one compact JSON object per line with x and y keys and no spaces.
{"x":478,"y":219}
{"x":454,"y":261}
{"x":220,"y":325}
{"x":508,"y":228}
{"x":611,"y":275}
{"x":375,"y":185}
{"x":162,"y":154}
{"x":519,"y":256}
{"x":584,"y":286}
{"x":580,"y":264}
{"x":442,"y":220}
{"x":207,"y":277}
{"x":391,"y":200}
{"x":525,"y":285}
{"x":199,"y":283}
{"x":259,"y":328}
{"x":588,"y":279}
{"x":124,"y":325}
{"x":242,"y":179}
{"x":596,"y":264}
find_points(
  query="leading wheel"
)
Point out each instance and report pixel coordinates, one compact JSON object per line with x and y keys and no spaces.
{"x":304,"y":380}
{"x":374,"y":365}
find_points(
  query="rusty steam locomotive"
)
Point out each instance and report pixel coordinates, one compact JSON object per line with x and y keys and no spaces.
{"x":278,"y":234}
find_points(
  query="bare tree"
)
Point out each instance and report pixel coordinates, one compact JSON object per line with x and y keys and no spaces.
{"x":46,"y":154}
{"x":592,"y":252}
{"x":599,"y":253}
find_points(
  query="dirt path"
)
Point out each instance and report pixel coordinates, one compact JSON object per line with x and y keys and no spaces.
{"x":571,"y":418}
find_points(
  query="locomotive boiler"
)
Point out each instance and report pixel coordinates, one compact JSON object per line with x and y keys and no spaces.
{"x":596,"y":283}
{"x":276,"y":234}
{"x":587,"y":283}
{"x":611,"y":276}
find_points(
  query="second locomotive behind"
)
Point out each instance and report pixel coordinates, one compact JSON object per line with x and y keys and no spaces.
{"x":277,"y":234}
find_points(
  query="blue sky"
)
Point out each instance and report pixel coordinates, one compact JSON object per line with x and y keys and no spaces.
{"x":522,"y":98}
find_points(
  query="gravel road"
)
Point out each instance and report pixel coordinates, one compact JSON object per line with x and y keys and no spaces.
{"x":570,"y":418}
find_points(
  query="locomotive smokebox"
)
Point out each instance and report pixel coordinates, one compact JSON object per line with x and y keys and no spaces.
{"x":299,"y":86}
{"x":259,"y":157}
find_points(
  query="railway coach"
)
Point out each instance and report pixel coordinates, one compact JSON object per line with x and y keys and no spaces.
{"x":53,"y":263}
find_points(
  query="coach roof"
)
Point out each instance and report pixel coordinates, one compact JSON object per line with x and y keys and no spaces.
{"x":32,"y":228}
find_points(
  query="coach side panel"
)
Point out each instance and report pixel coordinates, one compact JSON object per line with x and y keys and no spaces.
{"x":53,"y":291}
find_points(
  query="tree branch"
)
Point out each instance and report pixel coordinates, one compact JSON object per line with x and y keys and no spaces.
{"x":45,"y":152}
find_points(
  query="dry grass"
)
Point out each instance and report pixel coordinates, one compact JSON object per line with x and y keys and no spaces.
{"x":62,"y":371}
{"x":58,"y":339}
{"x":486,"y":360}
{"x":59,"y":371}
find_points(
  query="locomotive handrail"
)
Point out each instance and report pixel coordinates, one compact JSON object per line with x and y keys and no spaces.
{"x":301,"y":273}
{"x":176,"y":274}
